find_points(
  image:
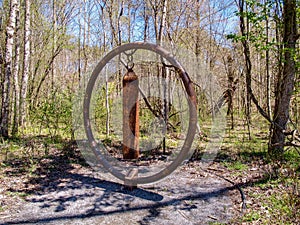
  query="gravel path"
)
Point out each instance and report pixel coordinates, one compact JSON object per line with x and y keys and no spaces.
{"x":80,"y":196}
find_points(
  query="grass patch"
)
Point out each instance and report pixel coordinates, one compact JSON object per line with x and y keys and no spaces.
{"x":252,"y":216}
{"x":268,"y":183}
{"x":170,"y":143}
{"x":292,"y":156}
{"x":17,"y":193}
{"x":2,"y":208}
{"x":277,"y":208}
{"x":275,"y":198}
{"x":236,"y":165}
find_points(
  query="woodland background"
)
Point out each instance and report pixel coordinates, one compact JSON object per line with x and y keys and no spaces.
{"x":252,"y":47}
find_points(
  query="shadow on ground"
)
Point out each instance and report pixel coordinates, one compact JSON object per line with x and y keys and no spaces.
{"x":65,"y":192}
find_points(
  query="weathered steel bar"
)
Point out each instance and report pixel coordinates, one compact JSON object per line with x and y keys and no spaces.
{"x":130,"y":179}
{"x":130,"y":115}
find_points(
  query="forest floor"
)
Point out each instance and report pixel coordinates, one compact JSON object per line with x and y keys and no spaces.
{"x":60,"y":188}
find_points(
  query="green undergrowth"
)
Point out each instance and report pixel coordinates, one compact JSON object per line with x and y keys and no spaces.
{"x":28,"y":147}
{"x":23,"y":155}
{"x":18,"y":194}
{"x":280,"y":207}
{"x":275,"y":198}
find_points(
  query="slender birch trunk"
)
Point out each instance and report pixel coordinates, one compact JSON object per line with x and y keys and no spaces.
{"x":10,"y":32}
{"x":26,"y":62}
{"x":16,"y":69}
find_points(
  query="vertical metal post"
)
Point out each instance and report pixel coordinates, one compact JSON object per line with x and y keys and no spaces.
{"x":130,"y":115}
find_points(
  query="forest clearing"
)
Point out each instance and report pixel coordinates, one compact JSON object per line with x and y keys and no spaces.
{"x":101,"y":101}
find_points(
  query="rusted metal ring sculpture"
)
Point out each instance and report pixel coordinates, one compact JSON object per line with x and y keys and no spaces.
{"x":183,"y":154}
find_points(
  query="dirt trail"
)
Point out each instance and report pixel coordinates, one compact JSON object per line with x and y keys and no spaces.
{"x":79,"y":196}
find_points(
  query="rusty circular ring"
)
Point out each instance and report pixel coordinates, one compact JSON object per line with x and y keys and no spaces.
{"x":183,"y":154}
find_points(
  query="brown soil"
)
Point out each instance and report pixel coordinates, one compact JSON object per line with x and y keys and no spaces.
{"x":61,"y":189}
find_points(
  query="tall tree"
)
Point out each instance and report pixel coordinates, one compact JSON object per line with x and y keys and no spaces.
{"x":10,"y":31}
{"x":231,"y":88}
{"x":286,"y":81}
{"x":244,"y":27}
{"x":15,"y":71}
{"x":26,"y":61}
{"x":266,"y":10}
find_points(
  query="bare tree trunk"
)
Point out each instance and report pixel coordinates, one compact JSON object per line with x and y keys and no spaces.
{"x":129,"y":21}
{"x":146,"y":19}
{"x":16,"y":69}
{"x":116,"y":32}
{"x":231,"y":89}
{"x":164,"y":73}
{"x":107,"y":122}
{"x":163,"y":21}
{"x":269,"y":107}
{"x":198,"y":42}
{"x":86,"y":37}
{"x":244,"y":29}
{"x":286,"y":82}
{"x":79,"y":48}
{"x":120,"y":24}
{"x":10,"y":31}
{"x":54,"y":23}
{"x":26,"y":62}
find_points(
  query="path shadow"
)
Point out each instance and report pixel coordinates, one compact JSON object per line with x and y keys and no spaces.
{"x":56,"y":186}
{"x":153,"y":207}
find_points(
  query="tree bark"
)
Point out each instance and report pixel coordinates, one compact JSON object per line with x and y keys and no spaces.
{"x":10,"y":31}
{"x":146,"y":20}
{"x":54,"y":29}
{"x":162,"y":22}
{"x":244,"y":27}
{"x":269,"y":107}
{"x":26,"y":61}
{"x":16,"y":69}
{"x":231,"y":89}
{"x":286,"y":81}
{"x":165,"y":108}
